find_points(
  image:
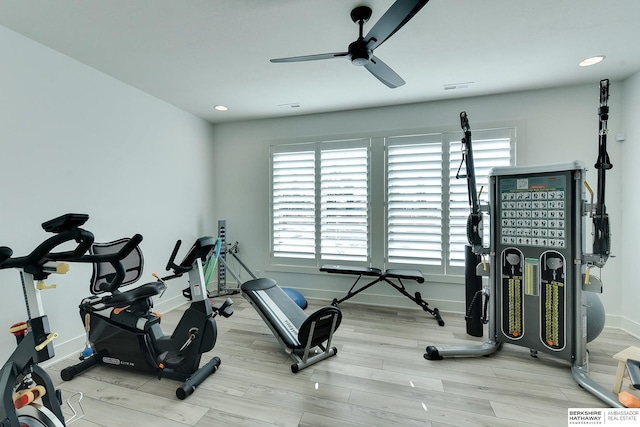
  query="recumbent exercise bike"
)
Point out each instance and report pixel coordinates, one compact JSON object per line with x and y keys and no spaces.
{"x":125,"y":333}
{"x":29,"y":397}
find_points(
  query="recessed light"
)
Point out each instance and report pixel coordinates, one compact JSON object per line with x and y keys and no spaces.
{"x":592,"y":61}
{"x":221,"y":107}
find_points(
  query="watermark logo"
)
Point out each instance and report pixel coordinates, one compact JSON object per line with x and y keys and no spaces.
{"x":624,"y":417}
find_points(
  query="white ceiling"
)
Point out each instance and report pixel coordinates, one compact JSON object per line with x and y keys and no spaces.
{"x":198,"y":53}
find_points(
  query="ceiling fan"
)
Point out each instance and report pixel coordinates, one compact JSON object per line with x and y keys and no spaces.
{"x":360,"y":52}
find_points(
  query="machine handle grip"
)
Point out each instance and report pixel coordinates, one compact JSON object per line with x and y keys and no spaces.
{"x":84,"y":240}
{"x":52,"y":336}
{"x":129,"y":246}
{"x":115,"y":256}
{"x":171,"y":265}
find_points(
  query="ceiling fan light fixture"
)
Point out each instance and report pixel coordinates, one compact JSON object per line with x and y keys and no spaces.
{"x":591,"y":61}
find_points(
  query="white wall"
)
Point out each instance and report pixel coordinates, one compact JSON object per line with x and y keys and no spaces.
{"x":630,"y":234}
{"x":553,"y":125}
{"x":76,"y":140}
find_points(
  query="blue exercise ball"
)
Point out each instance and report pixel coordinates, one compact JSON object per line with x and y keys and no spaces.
{"x":297,"y":297}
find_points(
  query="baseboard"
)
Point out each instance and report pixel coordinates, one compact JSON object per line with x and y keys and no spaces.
{"x":612,"y":321}
{"x":73,"y":346}
{"x":67,"y":349}
{"x":367,"y":298}
{"x":630,"y":327}
{"x":396,"y":301}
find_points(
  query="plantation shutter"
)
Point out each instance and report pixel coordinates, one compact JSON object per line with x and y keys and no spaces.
{"x":293,"y":204}
{"x":344,"y":201}
{"x":491,"y":148}
{"x":414,"y":200}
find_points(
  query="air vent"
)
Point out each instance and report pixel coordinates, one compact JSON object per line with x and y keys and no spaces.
{"x":291,"y":105}
{"x":455,"y":86}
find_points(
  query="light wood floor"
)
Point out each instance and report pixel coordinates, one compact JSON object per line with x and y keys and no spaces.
{"x":378,"y":378}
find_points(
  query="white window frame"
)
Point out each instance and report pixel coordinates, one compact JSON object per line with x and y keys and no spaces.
{"x":305,"y":227}
{"x":320,"y":217}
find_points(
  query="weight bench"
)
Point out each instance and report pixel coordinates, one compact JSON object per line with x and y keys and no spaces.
{"x":297,"y":332}
{"x":383,"y":276}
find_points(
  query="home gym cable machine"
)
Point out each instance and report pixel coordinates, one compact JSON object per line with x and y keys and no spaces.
{"x":539,"y":270}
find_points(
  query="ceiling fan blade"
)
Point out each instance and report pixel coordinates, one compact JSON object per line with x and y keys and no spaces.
{"x":384,"y":73}
{"x":393,"y":19}
{"x":311,"y":57}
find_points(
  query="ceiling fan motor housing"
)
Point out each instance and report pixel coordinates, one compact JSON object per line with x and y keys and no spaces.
{"x":359,"y":52}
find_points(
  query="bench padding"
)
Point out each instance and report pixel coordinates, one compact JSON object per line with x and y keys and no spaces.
{"x":405,"y":274}
{"x":295,"y":330}
{"x":343,"y":269}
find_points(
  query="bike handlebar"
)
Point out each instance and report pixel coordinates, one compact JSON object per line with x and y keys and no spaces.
{"x":66,"y":229}
{"x":200,"y":249}
{"x":43,"y":252}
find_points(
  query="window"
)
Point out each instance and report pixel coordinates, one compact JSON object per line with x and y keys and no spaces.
{"x":325,"y":196}
{"x":293,"y":203}
{"x":414,"y":200}
{"x":344,"y":204}
{"x":320,"y":202}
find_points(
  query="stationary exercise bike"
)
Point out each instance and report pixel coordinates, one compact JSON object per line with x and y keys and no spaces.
{"x":29,"y":397}
{"x":124,"y":332}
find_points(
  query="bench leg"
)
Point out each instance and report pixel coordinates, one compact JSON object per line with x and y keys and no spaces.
{"x":417,"y":299}
{"x":617,"y":384}
{"x":306,"y":359}
{"x":351,"y":293}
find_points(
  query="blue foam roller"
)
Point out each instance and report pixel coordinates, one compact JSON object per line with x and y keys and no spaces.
{"x":297,"y":297}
